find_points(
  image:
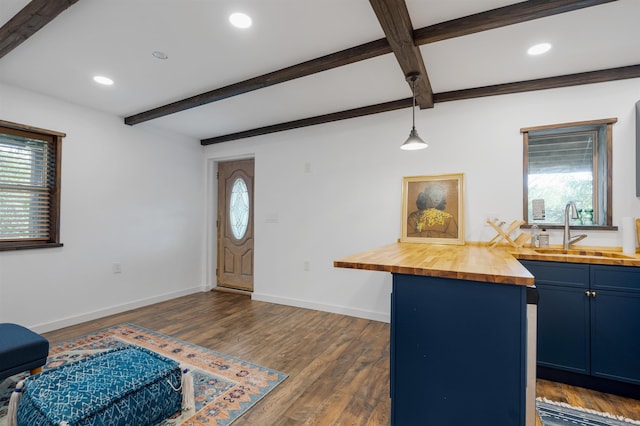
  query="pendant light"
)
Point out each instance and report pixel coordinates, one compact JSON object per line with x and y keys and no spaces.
{"x":413,"y":142}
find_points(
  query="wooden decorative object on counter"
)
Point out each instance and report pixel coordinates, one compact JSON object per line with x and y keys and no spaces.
{"x":505,"y":234}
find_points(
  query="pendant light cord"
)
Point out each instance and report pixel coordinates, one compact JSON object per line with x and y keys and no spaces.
{"x":413,"y":105}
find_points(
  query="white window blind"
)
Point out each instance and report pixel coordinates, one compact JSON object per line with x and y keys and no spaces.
{"x":27,"y":187}
{"x":562,"y":154}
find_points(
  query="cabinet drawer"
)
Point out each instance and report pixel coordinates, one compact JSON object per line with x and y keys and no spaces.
{"x":621,"y":278}
{"x":559,"y":273}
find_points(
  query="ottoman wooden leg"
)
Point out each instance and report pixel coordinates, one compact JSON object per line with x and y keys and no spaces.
{"x":36,"y":370}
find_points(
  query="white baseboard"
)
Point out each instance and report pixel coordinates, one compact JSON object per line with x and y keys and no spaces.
{"x":344,"y":310}
{"x":89,"y":316}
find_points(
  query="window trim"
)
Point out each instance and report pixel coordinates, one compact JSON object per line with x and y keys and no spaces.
{"x":608,"y":122}
{"x":55,"y":139}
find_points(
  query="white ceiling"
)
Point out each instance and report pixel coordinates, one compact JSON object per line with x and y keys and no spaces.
{"x":116,"y":38}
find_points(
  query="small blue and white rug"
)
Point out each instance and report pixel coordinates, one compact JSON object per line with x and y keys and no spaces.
{"x":560,"y":414}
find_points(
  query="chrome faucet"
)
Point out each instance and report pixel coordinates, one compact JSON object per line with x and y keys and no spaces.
{"x":567,"y":239}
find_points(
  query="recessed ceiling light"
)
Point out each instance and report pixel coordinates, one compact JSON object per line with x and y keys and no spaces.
{"x":539,"y":49}
{"x":160,"y":55}
{"x":240,"y":20}
{"x":103,"y":80}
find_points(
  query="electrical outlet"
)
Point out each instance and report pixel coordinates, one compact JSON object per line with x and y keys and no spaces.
{"x":117,"y":268}
{"x":307,"y":265}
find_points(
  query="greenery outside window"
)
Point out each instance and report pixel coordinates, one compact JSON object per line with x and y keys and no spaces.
{"x":29,"y":187}
{"x":569,"y":162}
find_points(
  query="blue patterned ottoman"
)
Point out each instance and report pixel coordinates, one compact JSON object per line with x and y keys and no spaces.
{"x":124,"y":386}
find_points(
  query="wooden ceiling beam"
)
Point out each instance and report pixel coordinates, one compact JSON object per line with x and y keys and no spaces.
{"x":394,"y":18}
{"x":601,"y":76}
{"x":324,"y":63}
{"x":28,"y":21}
{"x":312,"y":121}
{"x":500,"y":17}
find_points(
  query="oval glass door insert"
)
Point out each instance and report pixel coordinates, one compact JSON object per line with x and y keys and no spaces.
{"x":239,"y":208}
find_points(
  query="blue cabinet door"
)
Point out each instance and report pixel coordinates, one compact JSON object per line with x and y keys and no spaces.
{"x":615,"y":323}
{"x":615,"y":342}
{"x":564,"y":335}
{"x":563,"y":328}
{"x":458,"y":347}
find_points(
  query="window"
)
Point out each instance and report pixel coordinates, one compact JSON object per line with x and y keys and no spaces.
{"x":569,"y":162}
{"x":29,"y":187}
{"x":239,"y":208}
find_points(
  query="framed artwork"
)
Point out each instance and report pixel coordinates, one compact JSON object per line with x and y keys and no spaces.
{"x":433,"y":209}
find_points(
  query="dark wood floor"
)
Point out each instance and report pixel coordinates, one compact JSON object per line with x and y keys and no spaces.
{"x":585,"y":398}
{"x":338,"y":366}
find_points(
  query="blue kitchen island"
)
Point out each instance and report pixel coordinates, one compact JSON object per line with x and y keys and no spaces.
{"x":462,"y":334}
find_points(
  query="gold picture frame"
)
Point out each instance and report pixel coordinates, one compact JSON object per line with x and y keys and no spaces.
{"x":433,"y":209}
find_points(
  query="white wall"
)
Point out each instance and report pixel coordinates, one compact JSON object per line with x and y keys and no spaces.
{"x":130,"y":195}
{"x":350,"y":201}
{"x":134,"y":196}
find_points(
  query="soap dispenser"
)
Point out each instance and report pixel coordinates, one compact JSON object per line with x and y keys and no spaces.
{"x":544,"y":238}
{"x":535,"y":236}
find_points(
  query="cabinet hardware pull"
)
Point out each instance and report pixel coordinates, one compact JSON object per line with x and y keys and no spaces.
{"x":593,"y":293}
{"x":588,"y":293}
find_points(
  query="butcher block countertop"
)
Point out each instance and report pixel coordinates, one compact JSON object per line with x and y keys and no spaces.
{"x":476,"y":261}
{"x":462,"y":262}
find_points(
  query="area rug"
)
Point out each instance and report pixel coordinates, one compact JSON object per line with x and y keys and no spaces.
{"x":225,"y":387}
{"x":560,"y":414}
